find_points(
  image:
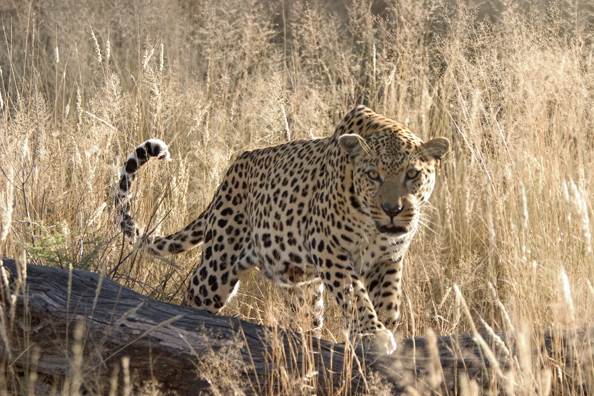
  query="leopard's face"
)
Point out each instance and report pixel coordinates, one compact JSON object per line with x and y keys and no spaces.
{"x":393,"y":176}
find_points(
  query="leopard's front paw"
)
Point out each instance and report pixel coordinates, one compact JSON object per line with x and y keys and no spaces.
{"x":381,"y":342}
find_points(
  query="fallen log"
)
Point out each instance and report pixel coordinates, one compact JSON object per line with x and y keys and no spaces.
{"x":93,"y":333}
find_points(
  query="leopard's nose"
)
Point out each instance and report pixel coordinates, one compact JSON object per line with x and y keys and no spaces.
{"x":390,"y":210}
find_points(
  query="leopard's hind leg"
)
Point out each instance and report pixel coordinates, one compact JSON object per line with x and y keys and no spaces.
{"x":217,"y":276}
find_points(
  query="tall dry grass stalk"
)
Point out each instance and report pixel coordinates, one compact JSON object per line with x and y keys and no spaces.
{"x":6,"y":204}
{"x":510,"y":86}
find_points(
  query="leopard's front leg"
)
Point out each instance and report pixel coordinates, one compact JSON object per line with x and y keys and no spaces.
{"x":383,"y":284}
{"x":357,"y":308}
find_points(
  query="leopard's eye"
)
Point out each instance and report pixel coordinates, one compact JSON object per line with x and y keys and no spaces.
{"x":373,"y":175}
{"x":412,"y":174}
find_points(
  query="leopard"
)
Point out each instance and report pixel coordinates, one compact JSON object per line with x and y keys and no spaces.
{"x":335,"y":213}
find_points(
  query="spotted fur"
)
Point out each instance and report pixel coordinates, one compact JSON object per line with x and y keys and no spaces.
{"x":152,"y":148}
{"x":340,"y":211}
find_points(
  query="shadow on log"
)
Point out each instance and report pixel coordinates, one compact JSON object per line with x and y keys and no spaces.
{"x":81,"y":328}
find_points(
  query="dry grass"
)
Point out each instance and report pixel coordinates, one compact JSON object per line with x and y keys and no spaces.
{"x":508,"y":239}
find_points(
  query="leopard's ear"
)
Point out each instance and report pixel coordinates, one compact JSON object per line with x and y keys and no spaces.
{"x":352,"y":144}
{"x":436,"y":148}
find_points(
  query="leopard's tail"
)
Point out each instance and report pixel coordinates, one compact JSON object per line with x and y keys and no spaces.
{"x":143,"y":153}
{"x":188,"y":238}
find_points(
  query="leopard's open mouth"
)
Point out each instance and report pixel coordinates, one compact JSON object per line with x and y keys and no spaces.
{"x":393,"y":229}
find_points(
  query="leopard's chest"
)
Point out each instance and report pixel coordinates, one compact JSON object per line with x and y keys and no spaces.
{"x":376,"y":250}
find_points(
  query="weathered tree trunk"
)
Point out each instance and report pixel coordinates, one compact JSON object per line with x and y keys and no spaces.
{"x":188,"y":350}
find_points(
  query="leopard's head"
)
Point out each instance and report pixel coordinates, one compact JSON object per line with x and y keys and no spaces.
{"x":393,"y":173}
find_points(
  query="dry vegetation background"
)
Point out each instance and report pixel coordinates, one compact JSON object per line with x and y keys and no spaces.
{"x":511,"y":85}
